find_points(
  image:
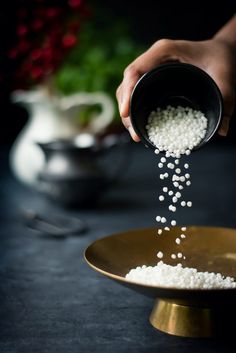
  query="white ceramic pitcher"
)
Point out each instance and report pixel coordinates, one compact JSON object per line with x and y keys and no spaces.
{"x":50,"y":118}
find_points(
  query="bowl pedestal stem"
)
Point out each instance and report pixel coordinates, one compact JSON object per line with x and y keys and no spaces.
{"x":183,"y":319}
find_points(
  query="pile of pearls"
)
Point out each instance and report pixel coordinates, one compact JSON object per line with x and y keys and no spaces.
{"x":163,"y":275}
{"x":176,"y":130}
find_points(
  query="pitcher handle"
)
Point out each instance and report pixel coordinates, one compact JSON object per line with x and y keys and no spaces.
{"x":99,"y":122}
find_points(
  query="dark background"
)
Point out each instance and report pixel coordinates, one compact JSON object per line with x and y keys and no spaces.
{"x":50,"y":300}
{"x":148,"y":22}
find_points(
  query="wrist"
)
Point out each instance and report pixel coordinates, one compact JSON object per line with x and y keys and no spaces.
{"x":227,"y":34}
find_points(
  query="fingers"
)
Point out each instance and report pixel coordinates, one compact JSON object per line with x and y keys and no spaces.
{"x":163,"y":50}
{"x":123,"y":93}
{"x":124,"y":110}
{"x":160,"y":52}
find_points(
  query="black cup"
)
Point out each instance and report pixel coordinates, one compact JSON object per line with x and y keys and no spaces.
{"x":175,"y":84}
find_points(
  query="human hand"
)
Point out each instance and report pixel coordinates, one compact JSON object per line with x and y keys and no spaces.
{"x":214,"y":56}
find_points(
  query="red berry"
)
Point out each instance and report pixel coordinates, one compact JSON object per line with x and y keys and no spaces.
{"x":36,"y":54}
{"x":68,"y":40}
{"x":22,"y":30}
{"x":36,"y":72}
{"x":52,"y":12}
{"x":74,"y":3}
{"x":37,"y":25}
{"x":23,"y":46}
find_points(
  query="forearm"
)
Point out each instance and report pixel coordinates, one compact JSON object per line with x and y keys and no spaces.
{"x":228,"y":33}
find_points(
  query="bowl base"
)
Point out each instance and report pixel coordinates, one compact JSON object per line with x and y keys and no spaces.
{"x":184,"y":320}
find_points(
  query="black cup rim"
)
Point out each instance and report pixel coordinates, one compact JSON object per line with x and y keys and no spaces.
{"x":174,"y":65}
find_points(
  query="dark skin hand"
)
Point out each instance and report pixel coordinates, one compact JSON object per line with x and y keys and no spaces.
{"x":216,"y":56}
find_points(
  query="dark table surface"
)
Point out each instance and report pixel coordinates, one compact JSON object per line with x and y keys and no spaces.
{"x":52,"y":301}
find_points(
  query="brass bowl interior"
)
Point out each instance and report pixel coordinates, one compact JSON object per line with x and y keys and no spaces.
{"x":210,"y":249}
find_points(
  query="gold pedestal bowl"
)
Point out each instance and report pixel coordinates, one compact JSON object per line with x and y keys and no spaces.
{"x":181,"y":312}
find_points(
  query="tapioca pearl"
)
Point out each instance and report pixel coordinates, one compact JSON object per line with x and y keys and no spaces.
{"x":179,"y":255}
{"x":177,"y":170}
{"x":160,"y":165}
{"x":174,"y":199}
{"x":187,"y":175}
{"x":176,"y":184}
{"x":170,"y":193}
{"x":158,"y":218}
{"x":186,"y":166}
{"x":178,"y":241}
{"x":159,"y":231}
{"x":183,"y":236}
{"x":172,"y":208}
{"x":173,"y":222}
{"x":157,"y":151}
{"x":175,"y":177}
{"x":162,"y":176}
{"x":189,"y":203}
{"x":183,"y":203}
{"x":170,"y":166}
{"x":178,"y":194}
{"x":167,"y":228}
{"x":163,"y":220}
{"x":161,"y":198}
{"x":176,"y":161}
{"x":183,"y":229}
{"x":165,"y":189}
{"x":160,"y":254}
{"x":173,"y":256}
{"x":163,"y":159}
{"x":166,"y":175}
{"x":188,"y":182}
{"x":182,"y":179}
{"x":181,"y":187}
